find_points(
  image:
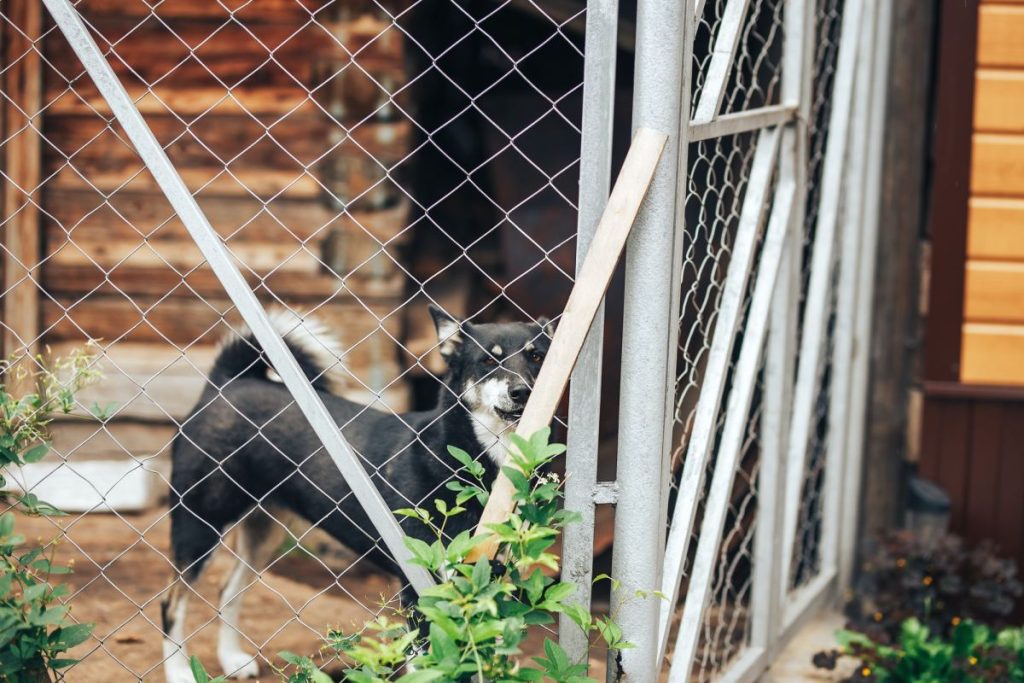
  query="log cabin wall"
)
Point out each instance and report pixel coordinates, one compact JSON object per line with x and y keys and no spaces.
{"x":293,"y":180}
{"x":973,"y":420}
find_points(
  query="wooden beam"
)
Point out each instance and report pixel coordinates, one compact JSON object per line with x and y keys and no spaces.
{"x":22,"y":84}
{"x":584,"y":300}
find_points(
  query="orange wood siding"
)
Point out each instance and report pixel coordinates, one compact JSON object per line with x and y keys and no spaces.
{"x":993,"y":333}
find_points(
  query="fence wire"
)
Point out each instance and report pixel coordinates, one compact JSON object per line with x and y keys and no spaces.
{"x":359,"y":160}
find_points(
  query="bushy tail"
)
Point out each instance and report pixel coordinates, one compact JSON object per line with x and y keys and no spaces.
{"x":316,"y":350}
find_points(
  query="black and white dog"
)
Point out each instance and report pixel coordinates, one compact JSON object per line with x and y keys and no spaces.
{"x":247,"y":460}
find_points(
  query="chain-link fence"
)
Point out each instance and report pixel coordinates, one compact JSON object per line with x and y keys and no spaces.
{"x":363,"y":161}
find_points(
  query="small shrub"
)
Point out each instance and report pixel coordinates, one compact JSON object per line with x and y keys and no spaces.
{"x":941,"y":586}
{"x":34,"y":629}
{"x":475,"y":621}
{"x":972,"y":653}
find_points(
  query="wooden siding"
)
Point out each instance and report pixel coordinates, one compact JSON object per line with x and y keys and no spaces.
{"x":992,"y":344}
{"x":972,"y":448}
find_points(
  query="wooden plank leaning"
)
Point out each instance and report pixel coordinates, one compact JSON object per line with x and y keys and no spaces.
{"x":609,"y":241}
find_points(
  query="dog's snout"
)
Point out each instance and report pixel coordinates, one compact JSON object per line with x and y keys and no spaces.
{"x":519,"y":393}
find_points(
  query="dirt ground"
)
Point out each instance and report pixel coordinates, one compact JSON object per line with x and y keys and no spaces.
{"x":121,"y":571}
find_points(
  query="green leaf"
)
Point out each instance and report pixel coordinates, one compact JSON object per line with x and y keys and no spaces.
{"x":36,"y":454}
{"x":421,"y":676}
{"x":461,"y":455}
{"x":198,"y":672}
{"x":481,"y":573}
{"x":559,"y":592}
{"x":69,"y":636}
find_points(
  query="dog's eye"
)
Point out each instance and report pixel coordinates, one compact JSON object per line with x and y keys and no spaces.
{"x":536,"y":357}
{"x":490,"y":361}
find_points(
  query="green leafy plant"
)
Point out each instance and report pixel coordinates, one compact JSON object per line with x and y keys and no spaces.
{"x":973,"y":653}
{"x":472,"y":625}
{"x":476,"y":619}
{"x":34,"y":627}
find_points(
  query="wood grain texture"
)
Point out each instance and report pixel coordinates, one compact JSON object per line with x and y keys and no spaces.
{"x":1000,"y":27}
{"x":156,"y":383}
{"x":983,"y":481}
{"x":993,"y":354}
{"x":587,"y":294}
{"x":998,"y":165}
{"x":22,"y":84}
{"x":999,"y":101}
{"x":973,"y":451}
{"x":996,"y":229}
{"x":994,"y":292}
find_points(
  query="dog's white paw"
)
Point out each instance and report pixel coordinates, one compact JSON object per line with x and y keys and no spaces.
{"x":175,"y":673}
{"x":239,"y":664}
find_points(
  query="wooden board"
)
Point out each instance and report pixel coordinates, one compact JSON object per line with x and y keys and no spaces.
{"x":296,"y":157}
{"x":128,"y":215}
{"x":996,"y":229}
{"x":992,"y":354}
{"x":76,"y":439}
{"x":269,"y":68}
{"x":270,"y":11}
{"x":999,"y":101}
{"x":158,"y":383}
{"x":20,"y":237}
{"x":998,"y":165}
{"x":1000,"y":32}
{"x":994,"y":292}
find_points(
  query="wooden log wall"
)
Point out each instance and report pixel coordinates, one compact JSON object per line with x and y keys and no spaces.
{"x":993,"y":331}
{"x":231,"y":99}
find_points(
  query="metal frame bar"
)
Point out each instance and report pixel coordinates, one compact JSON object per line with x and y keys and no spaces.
{"x":816,"y":307}
{"x":242,"y":296}
{"x":652,"y":264}
{"x":730,"y":26}
{"x":846,"y":304}
{"x":746,"y":374}
{"x":752,"y":216}
{"x":857,"y":413}
{"x":743,"y":122}
{"x":585,"y":387}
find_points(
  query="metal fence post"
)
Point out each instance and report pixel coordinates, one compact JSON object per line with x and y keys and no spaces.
{"x":585,"y":389}
{"x":852,"y":476}
{"x":660,"y":101}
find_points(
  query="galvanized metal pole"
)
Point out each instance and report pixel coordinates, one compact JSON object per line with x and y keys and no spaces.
{"x":251,"y":310}
{"x":650,"y":327}
{"x":585,"y":388}
{"x":866,"y":285}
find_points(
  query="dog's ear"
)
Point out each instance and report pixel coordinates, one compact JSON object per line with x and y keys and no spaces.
{"x":546,"y":326}
{"x":449,"y":331}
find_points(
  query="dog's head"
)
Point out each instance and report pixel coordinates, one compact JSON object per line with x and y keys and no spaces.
{"x":492,"y":366}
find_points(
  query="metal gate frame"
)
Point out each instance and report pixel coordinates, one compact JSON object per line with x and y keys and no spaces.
{"x":847,"y":220}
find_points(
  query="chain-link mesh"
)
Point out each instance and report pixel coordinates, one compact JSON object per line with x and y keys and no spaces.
{"x":359,"y":159}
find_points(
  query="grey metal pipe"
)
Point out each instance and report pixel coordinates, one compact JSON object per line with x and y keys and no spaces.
{"x":650,"y":328}
{"x":585,"y":387}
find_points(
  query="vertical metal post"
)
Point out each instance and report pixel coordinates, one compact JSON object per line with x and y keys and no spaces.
{"x":242,"y":296}
{"x":817,"y":301}
{"x":585,"y":388}
{"x":661,"y":101}
{"x":852,"y":475}
{"x":846,"y":299}
{"x":780,"y":354}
